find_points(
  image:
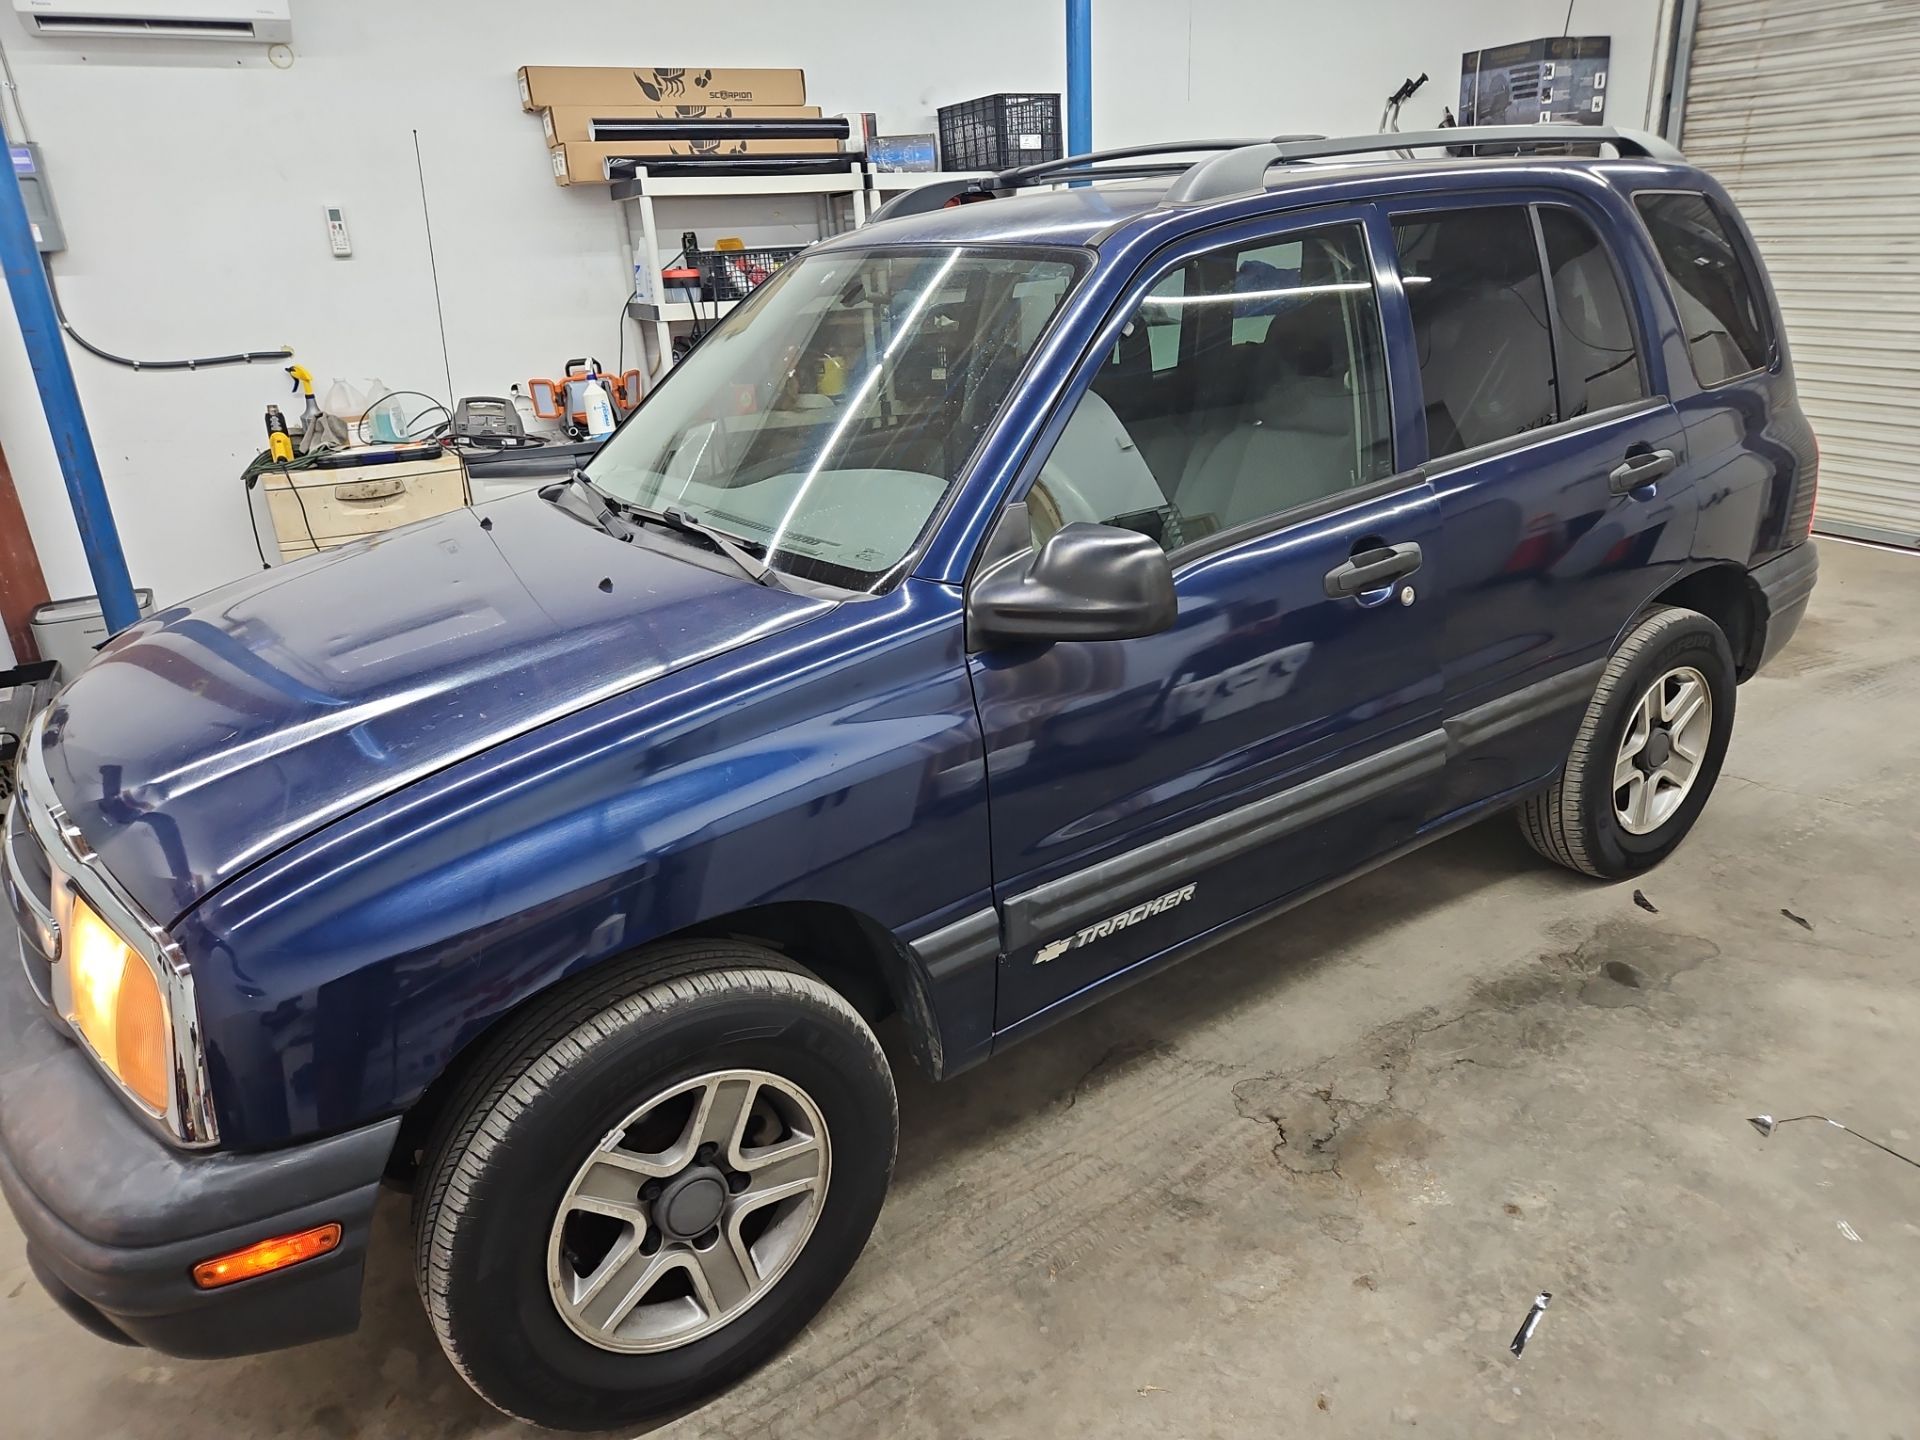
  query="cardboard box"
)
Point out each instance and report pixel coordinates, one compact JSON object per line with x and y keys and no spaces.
{"x":584,"y":162}
{"x":544,"y":86}
{"x":570,"y":122}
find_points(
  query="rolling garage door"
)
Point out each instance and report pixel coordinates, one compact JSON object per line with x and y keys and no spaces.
{"x":1809,"y":113}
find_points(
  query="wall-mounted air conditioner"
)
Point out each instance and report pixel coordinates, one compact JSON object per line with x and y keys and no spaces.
{"x":264,"y":22}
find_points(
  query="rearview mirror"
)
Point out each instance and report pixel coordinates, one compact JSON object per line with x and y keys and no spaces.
{"x":1088,"y":582}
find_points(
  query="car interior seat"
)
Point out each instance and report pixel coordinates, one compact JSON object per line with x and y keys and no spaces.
{"x":1097,"y":473}
{"x":1295,"y":437}
{"x":1486,"y":359}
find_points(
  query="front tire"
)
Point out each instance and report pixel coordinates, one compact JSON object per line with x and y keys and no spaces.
{"x":649,"y":1185}
{"x":1647,"y":754}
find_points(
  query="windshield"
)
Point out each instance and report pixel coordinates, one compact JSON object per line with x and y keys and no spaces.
{"x":825,"y":421}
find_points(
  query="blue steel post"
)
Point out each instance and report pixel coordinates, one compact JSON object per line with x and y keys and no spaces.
{"x":52,"y":372}
{"x":1079,"y":76}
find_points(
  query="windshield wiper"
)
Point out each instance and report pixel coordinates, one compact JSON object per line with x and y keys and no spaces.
{"x":728,"y":545}
{"x":599,"y":507}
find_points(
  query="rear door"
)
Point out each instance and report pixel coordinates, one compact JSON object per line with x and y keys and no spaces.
{"x":1558,"y":469}
{"x":1147,"y":791}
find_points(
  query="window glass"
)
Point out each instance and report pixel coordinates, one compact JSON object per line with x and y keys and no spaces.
{"x":1726,"y":329}
{"x":822,"y":423}
{"x":1263,"y":277}
{"x":1598,"y":364}
{"x":1162,"y":323}
{"x":1274,"y":396}
{"x":1480,"y":324}
{"x":1150,"y":343}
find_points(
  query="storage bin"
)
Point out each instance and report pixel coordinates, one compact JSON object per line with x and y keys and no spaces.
{"x":1000,"y":132}
{"x":734,"y":274}
{"x":68,"y":631}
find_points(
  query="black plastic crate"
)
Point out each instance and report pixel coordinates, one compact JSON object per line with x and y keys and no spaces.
{"x":999,"y":132}
{"x":732,"y":274}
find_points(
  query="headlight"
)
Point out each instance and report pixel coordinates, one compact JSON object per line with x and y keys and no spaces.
{"x":116,"y":1007}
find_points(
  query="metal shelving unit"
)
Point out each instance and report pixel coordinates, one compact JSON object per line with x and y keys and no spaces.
{"x":842,"y":195}
{"x":678,"y":312}
{"x":890,"y":182}
{"x":642,"y":186}
{"x":846,"y":200}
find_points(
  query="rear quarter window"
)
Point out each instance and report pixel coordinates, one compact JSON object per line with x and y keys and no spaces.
{"x":1721,"y":314}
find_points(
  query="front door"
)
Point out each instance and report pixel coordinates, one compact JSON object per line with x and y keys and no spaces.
{"x":1146,"y":791}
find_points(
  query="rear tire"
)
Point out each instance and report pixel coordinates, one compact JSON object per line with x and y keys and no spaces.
{"x":525,"y":1181}
{"x":1587,"y":819}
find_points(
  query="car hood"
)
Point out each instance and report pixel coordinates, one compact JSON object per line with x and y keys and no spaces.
{"x":216,"y":733}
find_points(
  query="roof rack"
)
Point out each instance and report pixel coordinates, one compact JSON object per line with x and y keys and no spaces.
{"x":1238,"y":171}
{"x":1096,"y":165}
{"x":1240,"y":166}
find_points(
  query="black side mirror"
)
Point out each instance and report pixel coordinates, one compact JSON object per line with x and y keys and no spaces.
{"x":1088,"y":582}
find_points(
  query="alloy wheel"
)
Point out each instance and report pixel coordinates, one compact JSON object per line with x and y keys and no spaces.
{"x":688,"y":1211}
{"x":1661,"y":754}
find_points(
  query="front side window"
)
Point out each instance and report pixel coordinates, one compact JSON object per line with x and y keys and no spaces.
{"x":1250,"y":381}
{"x":1720,"y":313}
{"x":1480,"y":324}
{"x":823,"y":424}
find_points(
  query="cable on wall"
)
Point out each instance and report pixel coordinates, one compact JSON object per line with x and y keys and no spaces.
{"x":203,"y":362}
{"x":433,"y":265}
{"x":13,"y":93}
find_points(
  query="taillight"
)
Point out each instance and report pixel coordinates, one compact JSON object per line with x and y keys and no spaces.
{"x":1813,"y":487}
{"x":1797,"y":524}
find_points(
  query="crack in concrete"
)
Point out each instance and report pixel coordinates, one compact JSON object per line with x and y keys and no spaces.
{"x":1118,"y":1053}
{"x":1101,"y":1061}
{"x":1797,"y":794}
{"x":1309,"y":1120}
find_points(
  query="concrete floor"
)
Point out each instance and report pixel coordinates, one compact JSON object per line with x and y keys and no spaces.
{"x":1310,"y":1183}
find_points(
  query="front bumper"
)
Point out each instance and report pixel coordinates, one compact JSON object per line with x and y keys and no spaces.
{"x":1786,"y":584}
{"x":115,"y":1218}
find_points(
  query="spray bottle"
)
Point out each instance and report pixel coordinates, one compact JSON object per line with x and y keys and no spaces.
{"x":599,"y":407}
{"x":303,"y":383}
{"x":530,"y":418}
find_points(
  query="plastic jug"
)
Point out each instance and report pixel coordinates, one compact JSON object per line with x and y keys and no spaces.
{"x":343,"y":402}
{"x":387,"y":421}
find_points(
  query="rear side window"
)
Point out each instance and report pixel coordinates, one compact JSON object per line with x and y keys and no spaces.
{"x":1480,"y":324}
{"x":1598,"y":363}
{"x":1720,"y":313}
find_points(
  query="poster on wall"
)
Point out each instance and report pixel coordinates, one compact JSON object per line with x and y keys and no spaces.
{"x":1558,"y":80}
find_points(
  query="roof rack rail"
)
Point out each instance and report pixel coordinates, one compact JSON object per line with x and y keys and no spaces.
{"x":1240,"y":166}
{"x":1044,"y":170}
{"x":1239,"y":171}
{"x":1096,"y":165}
{"x":1634,"y":143}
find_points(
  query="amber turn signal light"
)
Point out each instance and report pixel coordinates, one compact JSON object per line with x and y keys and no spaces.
{"x":266,"y":1257}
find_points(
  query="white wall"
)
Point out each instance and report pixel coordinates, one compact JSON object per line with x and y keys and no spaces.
{"x":191,"y":178}
{"x":1171,"y":68}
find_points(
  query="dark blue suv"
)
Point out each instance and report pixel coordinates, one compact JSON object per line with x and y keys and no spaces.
{"x":1012,"y":597}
